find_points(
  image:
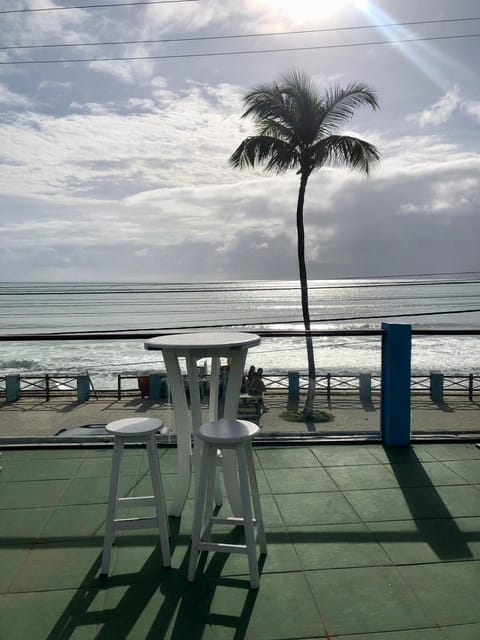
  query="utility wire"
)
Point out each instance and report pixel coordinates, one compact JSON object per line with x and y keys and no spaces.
{"x":238,"y":35}
{"x":378,"y":317}
{"x":95,"y":6}
{"x":244,"y":52}
{"x":4,"y":291}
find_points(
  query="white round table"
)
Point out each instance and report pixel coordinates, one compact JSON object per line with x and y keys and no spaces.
{"x":193,"y":347}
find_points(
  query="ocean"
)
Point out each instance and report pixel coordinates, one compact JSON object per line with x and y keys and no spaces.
{"x":442,"y":302}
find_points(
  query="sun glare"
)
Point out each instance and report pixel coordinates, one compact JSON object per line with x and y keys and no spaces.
{"x":314,"y":9}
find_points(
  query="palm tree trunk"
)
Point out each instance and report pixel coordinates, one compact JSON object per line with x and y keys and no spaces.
{"x":309,"y":402}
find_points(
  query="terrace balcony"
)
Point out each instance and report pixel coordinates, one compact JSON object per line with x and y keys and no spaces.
{"x":366,"y":541}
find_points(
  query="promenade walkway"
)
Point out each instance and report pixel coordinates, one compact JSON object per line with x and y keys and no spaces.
{"x":365,"y":543}
{"x":35,"y":417}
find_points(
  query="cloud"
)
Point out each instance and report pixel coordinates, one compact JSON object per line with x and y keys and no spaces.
{"x":439,"y":112}
{"x":473,"y":109}
{"x":10,"y":99}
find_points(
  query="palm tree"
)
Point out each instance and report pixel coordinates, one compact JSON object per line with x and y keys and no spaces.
{"x":296,"y":128}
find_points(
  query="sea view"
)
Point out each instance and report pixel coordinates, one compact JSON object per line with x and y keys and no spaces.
{"x":442,"y":302}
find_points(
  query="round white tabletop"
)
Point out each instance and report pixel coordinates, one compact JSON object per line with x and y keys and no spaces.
{"x":204,"y":340}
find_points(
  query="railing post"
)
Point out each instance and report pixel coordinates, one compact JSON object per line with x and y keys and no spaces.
{"x":47,"y":387}
{"x":470,"y":387}
{"x":396,"y":371}
{"x":83,"y":388}
{"x":293,"y":386}
{"x":154,"y":386}
{"x":329,"y":386}
{"x":436,"y":386}
{"x":119,"y":386}
{"x":12,"y":387}
{"x":365,"y":386}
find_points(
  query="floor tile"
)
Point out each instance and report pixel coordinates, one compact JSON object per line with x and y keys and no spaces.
{"x":462,"y":632}
{"x":37,"y":470}
{"x":460,"y":451}
{"x":363,"y":476}
{"x":42,"y":493}
{"x":101,"y":467}
{"x":342,"y":455}
{"x":312,"y":479}
{"x":59,"y":566}
{"x":138,"y":558}
{"x":427,"y":541}
{"x":292,"y":458}
{"x":14,"y":455}
{"x":315,"y":508}
{"x":171,"y":609}
{"x":449,"y":590}
{"x":424,"y":474}
{"x":467,"y":469}
{"x":11,"y":559}
{"x":406,"y":504}
{"x":283,"y":607}
{"x":22,"y":526}
{"x":94,"y":490}
{"x":401,"y":455}
{"x":336,"y":546}
{"x":75,"y":521}
{"x":281,"y":556}
{"x":366,"y":600}
{"x":460,"y":501}
{"x":412,"y":634}
{"x":71,"y":614}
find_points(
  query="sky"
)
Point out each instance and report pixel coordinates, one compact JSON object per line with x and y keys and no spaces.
{"x":117,"y":170}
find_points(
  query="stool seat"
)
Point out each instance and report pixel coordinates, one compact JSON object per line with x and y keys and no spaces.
{"x":127,"y":427}
{"x":142,"y":431}
{"x":224,"y":432}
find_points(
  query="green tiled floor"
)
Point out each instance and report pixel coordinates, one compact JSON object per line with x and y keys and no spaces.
{"x":364,"y":544}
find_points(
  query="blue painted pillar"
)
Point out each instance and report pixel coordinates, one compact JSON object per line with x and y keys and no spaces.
{"x":365,"y":386}
{"x":436,"y":386}
{"x":83,"y":388}
{"x":12,"y":387}
{"x":396,"y":370}
{"x":293,"y":385}
{"x":155,"y":381}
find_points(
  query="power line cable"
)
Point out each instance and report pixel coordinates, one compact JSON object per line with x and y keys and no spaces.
{"x":244,"y":52}
{"x":95,"y":6}
{"x":378,"y":317}
{"x":239,"y":35}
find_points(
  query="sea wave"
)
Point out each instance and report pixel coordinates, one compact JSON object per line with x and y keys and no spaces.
{"x":23,"y":364}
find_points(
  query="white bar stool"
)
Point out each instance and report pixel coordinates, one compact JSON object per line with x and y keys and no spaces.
{"x":237,"y":436}
{"x":139,"y":430}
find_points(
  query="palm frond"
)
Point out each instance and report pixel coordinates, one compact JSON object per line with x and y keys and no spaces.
{"x":277,"y":155}
{"x":340,"y":103}
{"x":344,"y":151}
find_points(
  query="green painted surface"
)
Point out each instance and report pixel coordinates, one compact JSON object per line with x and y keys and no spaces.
{"x":365,"y":543}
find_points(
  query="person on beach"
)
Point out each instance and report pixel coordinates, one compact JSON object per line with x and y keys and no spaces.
{"x":257,"y":387}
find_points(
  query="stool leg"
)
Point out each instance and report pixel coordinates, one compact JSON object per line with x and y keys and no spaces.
{"x":210,"y":493}
{"x":200,"y":507}
{"x":247,"y":516}
{"x":159,"y":499}
{"x":112,"y":505}
{"x":257,"y":508}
